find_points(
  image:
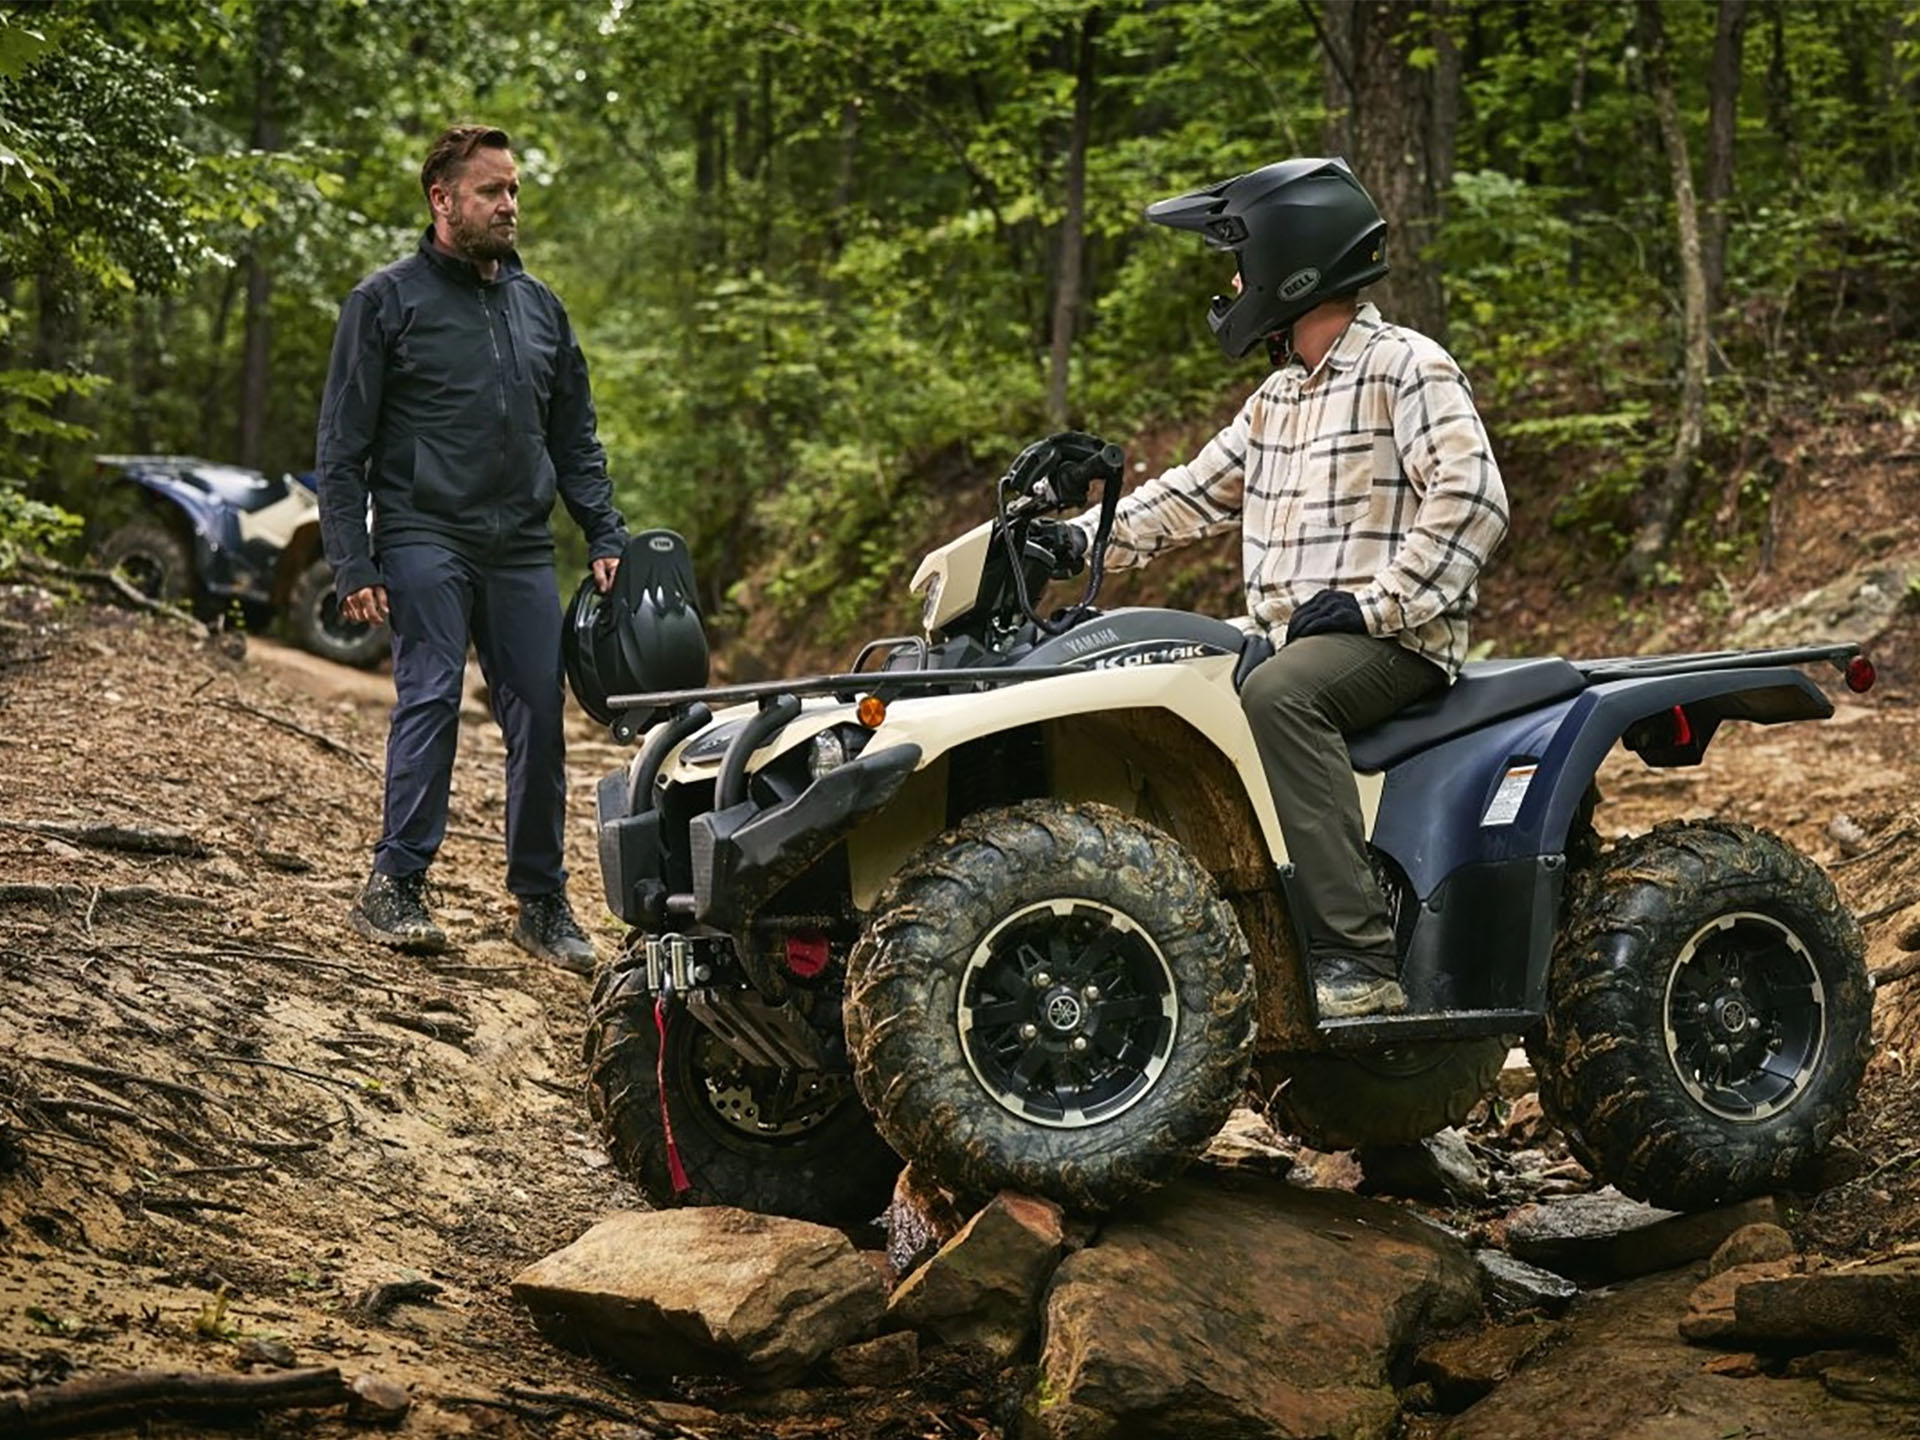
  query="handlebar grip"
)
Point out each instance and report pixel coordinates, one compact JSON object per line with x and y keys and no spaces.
{"x":1075,"y":478}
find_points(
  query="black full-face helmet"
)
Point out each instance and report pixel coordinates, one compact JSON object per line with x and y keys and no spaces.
{"x":1303,"y":231}
{"x":643,"y":635}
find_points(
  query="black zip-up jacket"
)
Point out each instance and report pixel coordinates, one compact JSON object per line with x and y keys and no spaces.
{"x":461,"y":406}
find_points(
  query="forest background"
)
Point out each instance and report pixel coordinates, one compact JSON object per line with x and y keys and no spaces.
{"x":834,"y":261}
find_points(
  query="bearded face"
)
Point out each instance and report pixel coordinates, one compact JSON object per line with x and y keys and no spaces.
{"x":480,"y":208}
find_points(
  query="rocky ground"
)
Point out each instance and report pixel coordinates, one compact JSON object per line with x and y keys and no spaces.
{"x":233,"y":1134}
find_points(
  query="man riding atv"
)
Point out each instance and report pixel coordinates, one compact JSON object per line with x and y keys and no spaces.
{"x":1367,"y":500}
{"x":1026,"y":900}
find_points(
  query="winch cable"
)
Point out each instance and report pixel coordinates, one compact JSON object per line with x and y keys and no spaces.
{"x":676,"y":1171}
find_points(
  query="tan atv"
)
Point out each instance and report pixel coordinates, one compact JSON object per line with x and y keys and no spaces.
{"x":1010,"y":901}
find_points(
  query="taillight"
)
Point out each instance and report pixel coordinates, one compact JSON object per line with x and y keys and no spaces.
{"x":1860,"y":675}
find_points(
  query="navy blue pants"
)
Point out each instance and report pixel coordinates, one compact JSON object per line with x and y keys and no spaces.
{"x":438,"y":601}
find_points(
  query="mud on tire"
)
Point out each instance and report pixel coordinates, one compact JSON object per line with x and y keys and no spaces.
{"x":824,"y":1163}
{"x":1708,"y":1015}
{"x":1051,"y":998}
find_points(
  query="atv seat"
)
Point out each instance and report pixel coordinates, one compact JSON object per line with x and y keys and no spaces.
{"x":1487,"y":690}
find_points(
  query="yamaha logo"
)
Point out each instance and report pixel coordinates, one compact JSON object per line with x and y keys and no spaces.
{"x":661,"y":543}
{"x":1299,"y":283}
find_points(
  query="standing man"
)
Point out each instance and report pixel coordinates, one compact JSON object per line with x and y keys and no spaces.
{"x":1367,"y":499}
{"x":457,"y":402}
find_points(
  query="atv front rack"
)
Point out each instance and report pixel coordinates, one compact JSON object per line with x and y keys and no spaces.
{"x":633,"y":710}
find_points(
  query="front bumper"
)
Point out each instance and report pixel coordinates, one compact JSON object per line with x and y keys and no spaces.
{"x":742,"y":854}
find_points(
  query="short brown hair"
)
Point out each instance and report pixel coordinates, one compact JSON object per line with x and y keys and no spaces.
{"x":453,"y":149}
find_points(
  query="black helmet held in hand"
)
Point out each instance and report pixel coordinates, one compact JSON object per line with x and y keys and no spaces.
{"x":1304,"y":231}
{"x":642,"y":635}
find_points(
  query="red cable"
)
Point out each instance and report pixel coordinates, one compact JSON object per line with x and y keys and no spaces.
{"x":675,"y":1169}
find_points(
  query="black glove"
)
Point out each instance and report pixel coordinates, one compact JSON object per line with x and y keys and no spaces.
{"x":1331,"y":612}
{"x":1066,"y":543}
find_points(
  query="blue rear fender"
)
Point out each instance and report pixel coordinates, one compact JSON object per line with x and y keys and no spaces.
{"x":1436,"y":809}
{"x":1479,"y":824}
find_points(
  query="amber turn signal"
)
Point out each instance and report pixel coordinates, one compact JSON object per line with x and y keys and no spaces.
{"x":871,"y":711}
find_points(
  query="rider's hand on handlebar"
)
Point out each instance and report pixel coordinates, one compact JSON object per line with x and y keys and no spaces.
{"x":1066,"y":543}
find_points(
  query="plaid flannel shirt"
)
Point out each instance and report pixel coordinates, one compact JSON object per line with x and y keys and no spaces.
{"x":1372,"y":475}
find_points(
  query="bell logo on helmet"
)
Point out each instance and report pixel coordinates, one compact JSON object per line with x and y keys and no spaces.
{"x":1299,"y":283}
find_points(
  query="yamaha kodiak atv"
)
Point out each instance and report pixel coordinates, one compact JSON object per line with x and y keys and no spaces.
{"x":1009,"y":900}
{"x":213,"y":534}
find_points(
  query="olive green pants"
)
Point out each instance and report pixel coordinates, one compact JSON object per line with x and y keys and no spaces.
{"x":1302,"y":704}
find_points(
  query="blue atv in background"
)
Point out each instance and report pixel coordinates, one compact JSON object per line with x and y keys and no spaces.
{"x":1011,"y":902}
{"x":212,"y":534}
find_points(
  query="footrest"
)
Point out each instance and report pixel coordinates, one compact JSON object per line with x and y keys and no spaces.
{"x":1372,"y":1031}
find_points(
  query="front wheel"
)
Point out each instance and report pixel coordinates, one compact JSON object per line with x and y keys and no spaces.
{"x":1051,"y":998}
{"x":778,"y":1142}
{"x":1708,"y":1015}
{"x":313,"y":611}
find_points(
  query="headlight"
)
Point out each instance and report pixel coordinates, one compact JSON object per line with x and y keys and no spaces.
{"x":829,"y":753}
{"x":932,"y":607}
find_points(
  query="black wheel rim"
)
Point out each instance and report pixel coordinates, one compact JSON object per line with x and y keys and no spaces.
{"x":754,"y":1102}
{"x":146,"y":574}
{"x":1745,"y":1017}
{"x":1068,"y":1013}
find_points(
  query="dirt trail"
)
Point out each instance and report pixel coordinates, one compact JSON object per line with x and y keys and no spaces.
{"x":224,"y":1119}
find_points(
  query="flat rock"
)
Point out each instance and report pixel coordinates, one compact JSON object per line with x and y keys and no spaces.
{"x":1709,"y":1316}
{"x":1464,"y":1368}
{"x":982,"y":1288}
{"x":1622,"y":1373}
{"x":705,"y":1290}
{"x":1511,"y":1285}
{"x":1230,"y":1305}
{"x":1860,"y":1302}
{"x":1605,"y":1236}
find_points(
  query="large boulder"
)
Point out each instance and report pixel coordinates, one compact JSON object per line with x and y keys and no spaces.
{"x":705,"y":1290}
{"x":1244,"y":1306}
{"x":1624,"y":1373}
{"x":1605,"y":1236}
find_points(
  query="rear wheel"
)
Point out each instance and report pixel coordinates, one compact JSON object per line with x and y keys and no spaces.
{"x":314,"y":613}
{"x":1340,"y":1102}
{"x":1708,"y":1015}
{"x":157,"y":561}
{"x":776,"y":1141}
{"x":1051,"y":998}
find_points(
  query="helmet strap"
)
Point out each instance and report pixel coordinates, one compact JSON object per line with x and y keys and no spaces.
{"x":1280,"y":351}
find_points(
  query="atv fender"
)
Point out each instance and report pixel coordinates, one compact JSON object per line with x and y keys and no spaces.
{"x":1480,"y":823}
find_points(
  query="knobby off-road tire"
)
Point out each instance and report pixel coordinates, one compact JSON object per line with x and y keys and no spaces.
{"x":1708,"y":1015}
{"x":157,"y":561}
{"x":313,"y":613}
{"x":824,"y":1164}
{"x":1051,"y":998}
{"x":1340,"y":1102}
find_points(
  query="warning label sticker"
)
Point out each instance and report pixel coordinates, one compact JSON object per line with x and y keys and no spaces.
{"x":1505,"y":804}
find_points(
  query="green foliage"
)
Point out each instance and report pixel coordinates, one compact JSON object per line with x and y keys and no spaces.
{"x":31,"y":527}
{"x":811,"y":248}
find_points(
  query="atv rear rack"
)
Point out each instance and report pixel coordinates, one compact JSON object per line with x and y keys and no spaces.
{"x":1642,"y":667}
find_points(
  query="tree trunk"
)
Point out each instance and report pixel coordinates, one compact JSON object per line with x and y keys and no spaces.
{"x":1723,"y":113}
{"x":1403,"y":146}
{"x":1071,"y":255}
{"x":1335,"y":27}
{"x":257,"y":347}
{"x":1576,"y":121}
{"x":1780,"y":87}
{"x":1667,"y":506}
